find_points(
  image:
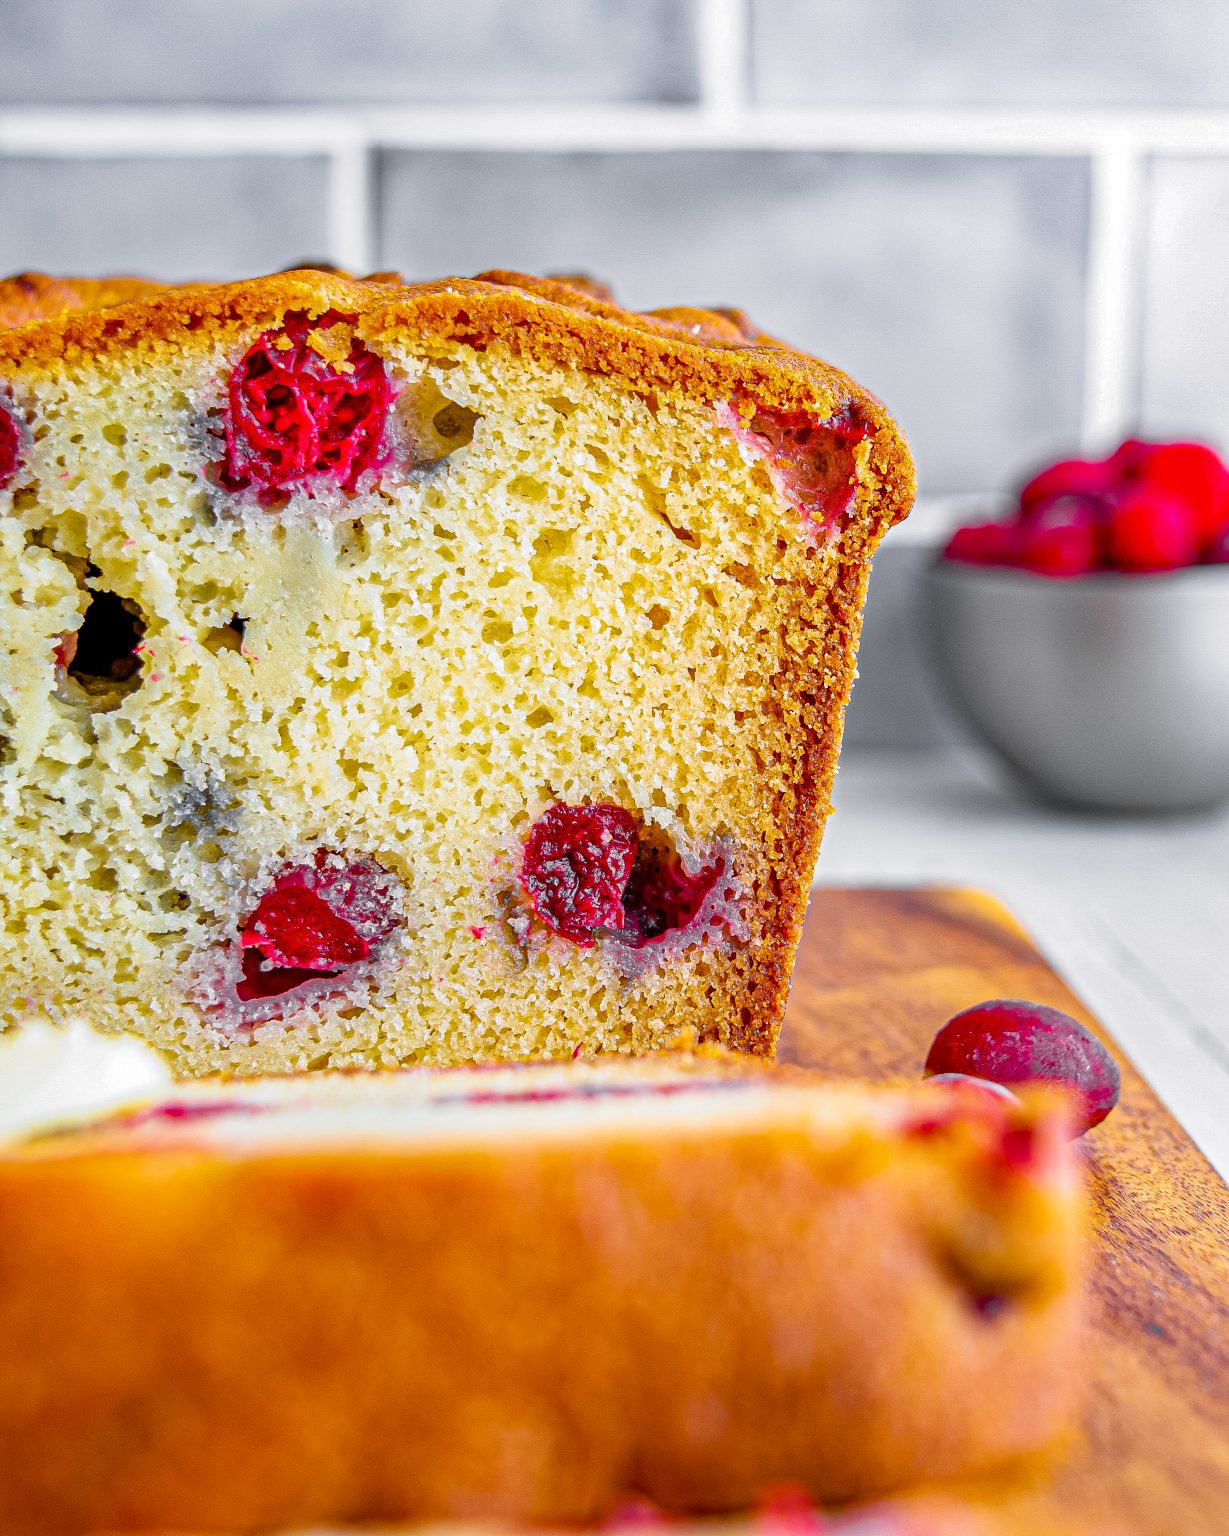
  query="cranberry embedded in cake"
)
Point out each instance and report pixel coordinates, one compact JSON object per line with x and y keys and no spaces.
{"x":10,"y":447}
{"x":576,"y":866}
{"x":316,"y":921}
{"x":812,"y":460}
{"x":662,"y":898}
{"x":588,"y":873}
{"x":294,"y":415}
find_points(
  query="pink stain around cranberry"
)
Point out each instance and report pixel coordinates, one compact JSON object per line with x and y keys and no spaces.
{"x":316,"y":920}
{"x":10,"y":447}
{"x":1014,"y":1043}
{"x":588,"y":874}
{"x":293,"y":417}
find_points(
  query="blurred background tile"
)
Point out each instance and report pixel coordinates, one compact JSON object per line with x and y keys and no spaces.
{"x":216,"y":216}
{"x":363,"y":51}
{"x":1185,"y":372}
{"x":896,"y":701}
{"x":991,"y":53}
{"x":950,"y":285}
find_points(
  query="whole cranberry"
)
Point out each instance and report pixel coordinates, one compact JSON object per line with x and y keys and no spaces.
{"x":984,"y":544}
{"x":962,"y":1082}
{"x":1149,"y":530}
{"x":1069,"y":477}
{"x":1191,"y":473}
{"x":1012,"y":1042}
{"x":1217,"y":552}
{"x":1063,"y":538}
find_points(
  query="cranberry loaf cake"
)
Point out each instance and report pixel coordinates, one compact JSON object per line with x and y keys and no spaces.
{"x":528,"y":1292}
{"x":418,"y":674}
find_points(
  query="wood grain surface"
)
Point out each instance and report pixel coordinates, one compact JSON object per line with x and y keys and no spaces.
{"x":878,"y":972}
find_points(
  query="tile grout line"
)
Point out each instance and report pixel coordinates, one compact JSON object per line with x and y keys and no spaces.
{"x":722,"y":119}
{"x":351,"y":209}
{"x":1111,"y":289}
{"x":723,"y":38}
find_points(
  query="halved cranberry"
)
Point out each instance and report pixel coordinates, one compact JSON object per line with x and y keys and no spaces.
{"x":1013,"y":1042}
{"x":316,"y":920}
{"x":661,"y":897}
{"x":811,"y":459}
{"x":294,"y":927}
{"x":292,"y":415}
{"x":10,"y":447}
{"x":576,"y":866}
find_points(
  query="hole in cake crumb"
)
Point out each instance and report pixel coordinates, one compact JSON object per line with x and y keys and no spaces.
{"x":226,"y":637}
{"x":103,"y":657}
{"x":655,"y":501}
{"x":658,"y":616}
{"x":539,"y":717}
{"x":527,"y":488}
{"x":433,"y":426}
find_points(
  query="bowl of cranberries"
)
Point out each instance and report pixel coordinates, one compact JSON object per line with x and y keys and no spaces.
{"x":1086,"y":638}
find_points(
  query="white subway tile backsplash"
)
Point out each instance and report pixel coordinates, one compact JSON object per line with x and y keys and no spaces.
{"x":951,"y":285}
{"x":991,"y":53}
{"x":212,"y":217}
{"x":364,"y":52}
{"x":1184,"y":388}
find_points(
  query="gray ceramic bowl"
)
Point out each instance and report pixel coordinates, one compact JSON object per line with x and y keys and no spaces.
{"x":1107,"y":691}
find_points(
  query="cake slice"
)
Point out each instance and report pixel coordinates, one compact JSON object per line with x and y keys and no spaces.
{"x":418,"y":674}
{"x":528,"y":1292}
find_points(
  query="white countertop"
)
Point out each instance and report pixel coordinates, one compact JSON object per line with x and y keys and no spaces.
{"x":1134,"y":912}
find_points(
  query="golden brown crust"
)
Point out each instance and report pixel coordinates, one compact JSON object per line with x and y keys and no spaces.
{"x":29,"y":296}
{"x":704,"y":353}
{"x":231,"y":1341}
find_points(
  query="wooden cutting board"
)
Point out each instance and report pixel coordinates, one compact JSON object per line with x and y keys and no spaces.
{"x":878,"y":972}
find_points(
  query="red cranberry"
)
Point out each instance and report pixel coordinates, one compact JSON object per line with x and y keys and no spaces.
{"x":813,"y":460}
{"x":1190,"y":473}
{"x":10,"y":447}
{"x":178,"y":1112}
{"x":292,"y":415}
{"x":294,"y":927}
{"x":1012,"y":1042}
{"x":1069,"y":477}
{"x":1062,"y":538}
{"x":661,"y":897}
{"x":1151,"y":531}
{"x":317,"y":920}
{"x":1217,"y":552}
{"x":984,"y":544}
{"x":788,"y":1510}
{"x":576,"y":865}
